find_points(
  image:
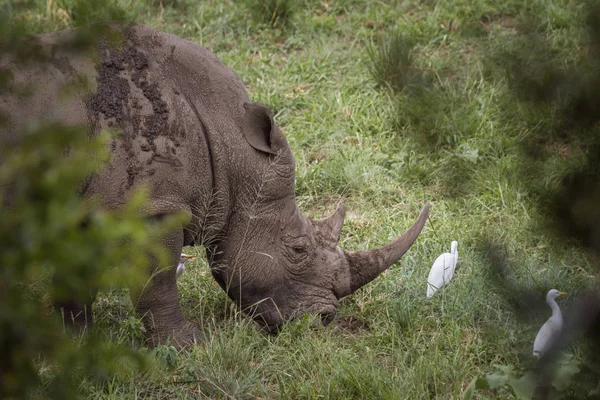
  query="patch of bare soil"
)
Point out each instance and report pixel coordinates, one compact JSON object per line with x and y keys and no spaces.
{"x":350,"y":324}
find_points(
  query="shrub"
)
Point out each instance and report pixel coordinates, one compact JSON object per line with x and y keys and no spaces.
{"x":55,"y":246}
{"x":391,"y":60}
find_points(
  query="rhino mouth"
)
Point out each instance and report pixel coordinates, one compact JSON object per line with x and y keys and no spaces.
{"x":323,"y":317}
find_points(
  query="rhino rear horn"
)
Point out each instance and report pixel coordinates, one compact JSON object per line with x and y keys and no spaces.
{"x":331,"y":227}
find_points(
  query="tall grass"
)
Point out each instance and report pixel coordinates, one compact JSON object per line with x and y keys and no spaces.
{"x":391,"y":60}
{"x":274,"y":13}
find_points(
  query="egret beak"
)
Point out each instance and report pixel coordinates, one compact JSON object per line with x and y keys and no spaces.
{"x":562,"y":293}
{"x":187,"y":256}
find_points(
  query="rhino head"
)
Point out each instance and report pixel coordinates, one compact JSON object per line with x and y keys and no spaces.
{"x":276,"y":263}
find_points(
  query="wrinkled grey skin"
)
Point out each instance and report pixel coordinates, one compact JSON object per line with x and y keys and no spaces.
{"x":191,"y":133}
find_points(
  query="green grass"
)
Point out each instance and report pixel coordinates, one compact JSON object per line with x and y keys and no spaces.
{"x":450,"y":131}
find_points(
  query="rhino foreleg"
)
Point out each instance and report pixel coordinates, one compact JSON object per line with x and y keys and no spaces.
{"x":76,"y":314}
{"x":158,"y":302}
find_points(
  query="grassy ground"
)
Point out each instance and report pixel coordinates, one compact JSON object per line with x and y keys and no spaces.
{"x":445,"y":128}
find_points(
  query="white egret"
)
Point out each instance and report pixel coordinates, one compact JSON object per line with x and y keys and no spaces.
{"x":181,"y":268}
{"x":551,"y":329}
{"x":442,"y":270}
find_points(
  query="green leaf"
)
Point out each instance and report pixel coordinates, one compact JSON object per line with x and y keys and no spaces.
{"x":507,"y":370}
{"x":525,"y":386}
{"x":477,"y":383}
{"x":496,"y":380}
{"x":564,"y":358}
{"x":563,"y":376}
{"x":553,"y":394}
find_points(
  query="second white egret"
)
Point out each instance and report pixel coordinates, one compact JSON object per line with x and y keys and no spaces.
{"x":551,"y":329}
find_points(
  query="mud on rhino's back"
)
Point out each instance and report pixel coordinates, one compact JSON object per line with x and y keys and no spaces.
{"x":162,"y":93}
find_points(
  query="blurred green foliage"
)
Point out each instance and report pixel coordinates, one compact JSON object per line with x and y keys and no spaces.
{"x":18,"y":17}
{"x":56,"y":246}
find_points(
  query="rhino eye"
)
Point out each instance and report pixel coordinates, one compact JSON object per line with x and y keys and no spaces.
{"x":299,"y":249}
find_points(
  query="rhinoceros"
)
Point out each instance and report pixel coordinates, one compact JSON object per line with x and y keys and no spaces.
{"x":191,"y":134}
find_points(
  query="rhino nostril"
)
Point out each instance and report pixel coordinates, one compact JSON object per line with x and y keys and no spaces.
{"x":327,"y":317}
{"x":272,"y":329}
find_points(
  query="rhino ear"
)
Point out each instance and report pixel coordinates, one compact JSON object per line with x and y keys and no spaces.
{"x":260,"y":130}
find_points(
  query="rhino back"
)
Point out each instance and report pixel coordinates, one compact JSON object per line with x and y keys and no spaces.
{"x":175,"y":105}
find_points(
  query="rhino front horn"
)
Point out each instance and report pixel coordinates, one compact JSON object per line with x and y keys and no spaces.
{"x":364,"y":266}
